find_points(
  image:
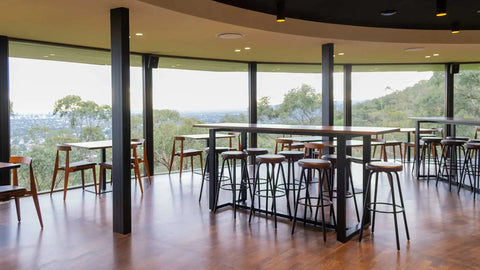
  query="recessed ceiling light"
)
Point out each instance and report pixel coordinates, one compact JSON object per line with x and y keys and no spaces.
{"x":427,"y":56}
{"x":247,"y":48}
{"x":139,"y":34}
{"x":237,"y":50}
{"x":341,"y":53}
{"x":52,"y":54}
{"x":46,"y":56}
{"x":436,"y":54}
{"x":388,"y":12}
{"x":229,"y":35}
{"x":414,"y":49}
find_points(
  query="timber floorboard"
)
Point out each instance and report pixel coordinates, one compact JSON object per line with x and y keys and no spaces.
{"x":172,"y":230}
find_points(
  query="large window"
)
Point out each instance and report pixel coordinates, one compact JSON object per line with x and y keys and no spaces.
{"x":387,"y":95}
{"x":186,"y":92}
{"x":467,"y":96}
{"x":62,"y":94}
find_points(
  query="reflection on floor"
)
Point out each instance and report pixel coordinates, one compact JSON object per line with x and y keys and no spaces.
{"x":171,"y":230}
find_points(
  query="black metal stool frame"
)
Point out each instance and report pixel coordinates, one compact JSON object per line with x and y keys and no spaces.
{"x":367,"y":206}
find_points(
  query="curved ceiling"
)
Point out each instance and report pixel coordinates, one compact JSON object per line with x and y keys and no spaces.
{"x":189,"y":28}
{"x":405,"y":14}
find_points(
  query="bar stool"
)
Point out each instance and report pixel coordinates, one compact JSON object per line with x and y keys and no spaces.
{"x":322,"y":167}
{"x":333,"y":160}
{"x":253,"y":153}
{"x":233,"y":156}
{"x":451,"y":160}
{"x":218,"y":151}
{"x":429,"y":144}
{"x":388,"y":168}
{"x":291,"y":157}
{"x":471,"y":166}
{"x":270,"y":190}
{"x":466,"y":139}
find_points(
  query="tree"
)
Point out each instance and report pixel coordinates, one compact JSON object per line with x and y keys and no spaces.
{"x":86,"y":117}
{"x":301,"y":106}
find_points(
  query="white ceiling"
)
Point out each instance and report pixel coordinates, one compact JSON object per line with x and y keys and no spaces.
{"x":189,"y":28}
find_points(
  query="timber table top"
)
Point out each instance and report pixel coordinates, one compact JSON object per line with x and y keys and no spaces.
{"x":278,"y":128}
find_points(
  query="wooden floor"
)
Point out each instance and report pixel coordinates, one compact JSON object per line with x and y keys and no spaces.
{"x":171,"y":230}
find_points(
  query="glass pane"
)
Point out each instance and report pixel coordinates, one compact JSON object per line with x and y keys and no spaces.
{"x":190,"y":91}
{"x":467,"y":96}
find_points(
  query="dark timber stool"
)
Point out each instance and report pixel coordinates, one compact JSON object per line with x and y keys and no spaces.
{"x":322,"y":167}
{"x":428,"y":151}
{"x":270,"y":161}
{"x":291,"y":157}
{"x":389,"y":168}
{"x":451,"y":160}
{"x":466,"y":139}
{"x":205,"y":176}
{"x":471,"y":166}
{"x":350,"y":194}
{"x":230,"y":159}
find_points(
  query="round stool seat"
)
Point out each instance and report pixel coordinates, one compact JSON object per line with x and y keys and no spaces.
{"x":219,"y":149}
{"x":432,"y":139}
{"x":270,"y":158}
{"x":474,"y":141}
{"x":333,"y":157}
{"x":294,"y":155}
{"x":453,"y":142}
{"x":473,"y":145}
{"x":314,"y":163}
{"x":458,"y":138}
{"x":234,"y":155}
{"x":384,"y":166}
{"x":256,"y":151}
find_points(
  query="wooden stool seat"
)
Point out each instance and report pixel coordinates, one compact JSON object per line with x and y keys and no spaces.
{"x":474,"y":141}
{"x":219,"y":149}
{"x":458,"y":138}
{"x":79,"y":165}
{"x":12,"y":191}
{"x":384,"y":167}
{"x":234,"y":155}
{"x":473,"y":145}
{"x":293,"y":155}
{"x":269,"y":158}
{"x":189,"y":152}
{"x":432,"y":139}
{"x":453,"y":142}
{"x":315,"y":145}
{"x":313,"y":163}
{"x":333,"y":158}
{"x":256,"y":151}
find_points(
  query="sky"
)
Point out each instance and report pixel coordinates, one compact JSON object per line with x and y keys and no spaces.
{"x":35,"y":85}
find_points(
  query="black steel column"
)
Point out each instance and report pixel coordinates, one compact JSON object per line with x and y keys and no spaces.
{"x":4,"y":109}
{"x":148,"y":109}
{"x":327,"y":89}
{"x":327,"y":84}
{"x":449,"y":107}
{"x":347,"y":99}
{"x":120,"y":46}
{"x":252,"y":100}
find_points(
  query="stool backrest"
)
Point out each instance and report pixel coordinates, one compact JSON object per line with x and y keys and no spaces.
{"x":26,"y":161}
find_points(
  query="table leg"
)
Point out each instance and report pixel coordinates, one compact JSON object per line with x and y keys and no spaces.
{"x":341,"y":189}
{"x":213,"y":171}
{"x":408,"y":148}
{"x":103,"y":158}
{"x":417,"y":151}
{"x":367,"y":149}
{"x":243,"y":187}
